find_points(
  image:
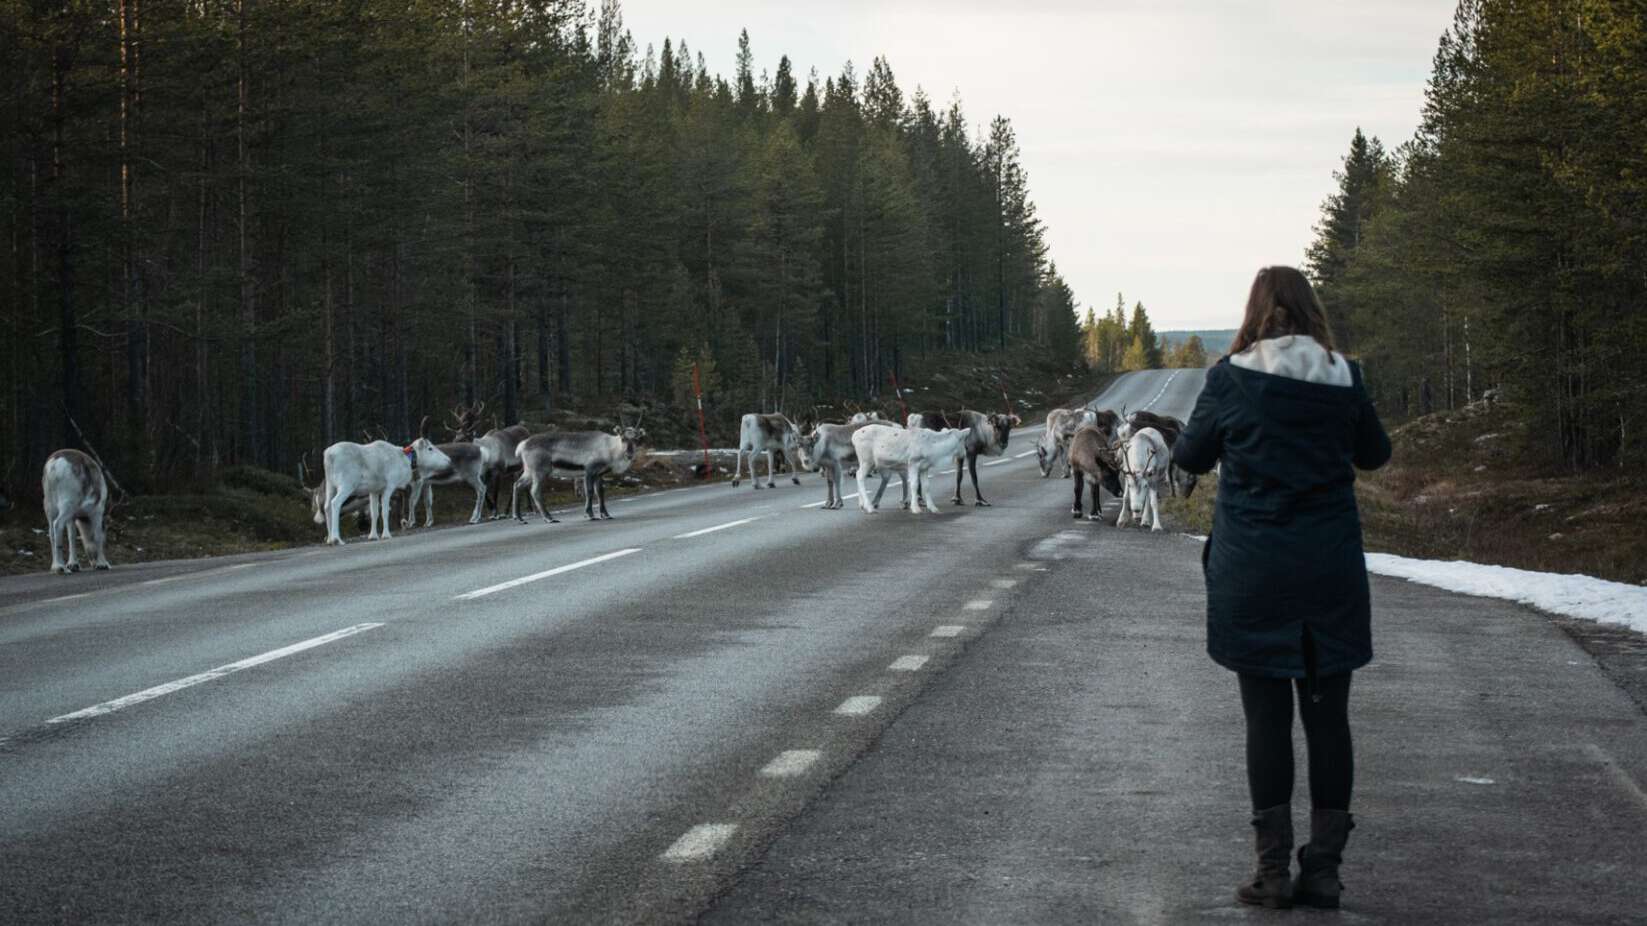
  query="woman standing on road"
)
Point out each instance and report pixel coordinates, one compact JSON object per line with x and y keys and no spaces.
{"x":1287,"y":603}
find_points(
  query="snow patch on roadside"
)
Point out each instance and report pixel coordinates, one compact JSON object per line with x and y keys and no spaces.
{"x":1572,"y":595}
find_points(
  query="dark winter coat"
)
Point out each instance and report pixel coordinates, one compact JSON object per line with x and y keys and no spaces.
{"x":1285,"y":557}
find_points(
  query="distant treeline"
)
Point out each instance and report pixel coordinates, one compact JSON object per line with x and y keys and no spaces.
{"x":1505,"y":245}
{"x":1117,"y":342}
{"x":1214,"y":341}
{"x":238,"y":230}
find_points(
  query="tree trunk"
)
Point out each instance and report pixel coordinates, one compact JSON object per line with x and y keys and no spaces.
{"x":249,"y":430}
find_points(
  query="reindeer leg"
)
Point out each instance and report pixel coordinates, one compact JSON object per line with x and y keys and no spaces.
{"x":588,"y":496}
{"x":100,"y":538}
{"x":737,"y":466}
{"x":960,"y":473}
{"x":1155,"y":507}
{"x":600,"y":489}
{"x":977,"y":496}
{"x":388,"y":503}
{"x":70,"y":527}
{"x":770,"y":464}
{"x":428,"y":505}
{"x":480,"y":498}
{"x":863,"y":491}
{"x":334,"y":513}
{"x":791,"y":458}
{"x":1097,"y":500}
{"x":537,"y":502}
{"x":514,"y":498}
{"x":54,"y":527}
{"x":912,"y":473}
{"x":1079,"y":484}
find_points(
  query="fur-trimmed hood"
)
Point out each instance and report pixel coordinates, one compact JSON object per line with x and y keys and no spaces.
{"x":1295,"y":356}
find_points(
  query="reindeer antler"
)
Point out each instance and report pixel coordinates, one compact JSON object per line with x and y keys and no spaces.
{"x":423,"y":428}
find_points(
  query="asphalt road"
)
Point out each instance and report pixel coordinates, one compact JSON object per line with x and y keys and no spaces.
{"x":727,"y":703}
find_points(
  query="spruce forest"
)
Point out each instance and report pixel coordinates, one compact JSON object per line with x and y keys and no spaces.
{"x":1504,"y":247}
{"x":240,"y":230}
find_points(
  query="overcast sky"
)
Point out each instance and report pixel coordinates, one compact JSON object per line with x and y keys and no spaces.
{"x":1172,"y":147}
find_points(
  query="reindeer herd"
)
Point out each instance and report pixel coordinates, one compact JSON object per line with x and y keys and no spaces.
{"x":1128,"y":456}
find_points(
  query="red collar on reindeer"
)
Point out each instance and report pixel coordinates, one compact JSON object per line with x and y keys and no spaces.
{"x":411,"y":456}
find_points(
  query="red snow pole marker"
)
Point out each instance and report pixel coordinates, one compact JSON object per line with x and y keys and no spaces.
{"x":703,"y":434}
{"x":900,"y":394}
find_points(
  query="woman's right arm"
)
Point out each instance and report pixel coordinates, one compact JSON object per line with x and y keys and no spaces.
{"x":1201,"y":443}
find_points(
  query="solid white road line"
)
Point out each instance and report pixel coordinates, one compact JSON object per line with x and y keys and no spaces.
{"x":822,"y":503}
{"x":700,"y":842}
{"x":67,"y":597}
{"x":719,"y":527}
{"x":858,"y":705}
{"x":908,"y":664}
{"x":199,"y":575}
{"x":791,"y":762}
{"x":979,"y":604}
{"x":948,"y":630}
{"x":149,"y":694}
{"x":503,"y":586}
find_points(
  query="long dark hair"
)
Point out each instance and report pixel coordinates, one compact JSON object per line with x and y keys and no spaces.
{"x":1282,"y":302}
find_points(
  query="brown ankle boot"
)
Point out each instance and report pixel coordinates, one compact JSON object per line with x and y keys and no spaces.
{"x":1271,"y":886}
{"x":1318,"y":884}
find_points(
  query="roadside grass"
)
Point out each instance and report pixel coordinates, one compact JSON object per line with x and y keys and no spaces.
{"x":1457,"y":489}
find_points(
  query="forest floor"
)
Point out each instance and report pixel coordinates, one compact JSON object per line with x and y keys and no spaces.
{"x":246,"y":509}
{"x":1455,"y":490}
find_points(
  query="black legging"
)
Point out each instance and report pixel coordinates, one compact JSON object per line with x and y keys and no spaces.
{"x":1268,"y":706}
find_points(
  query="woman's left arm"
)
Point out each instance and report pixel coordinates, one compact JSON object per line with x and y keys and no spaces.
{"x":1372,"y":444}
{"x":1200,"y":445}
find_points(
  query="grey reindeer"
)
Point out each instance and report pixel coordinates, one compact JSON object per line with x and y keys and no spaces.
{"x":592,"y":453}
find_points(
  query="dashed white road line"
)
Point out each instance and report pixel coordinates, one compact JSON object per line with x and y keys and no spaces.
{"x":790,"y":763}
{"x":512,"y":583}
{"x":1022,"y":455}
{"x":998,"y":462}
{"x":149,"y":694}
{"x":948,"y":630}
{"x":979,"y":604}
{"x":1003,"y":583}
{"x":858,"y":705}
{"x":719,"y":527}
{"x":908,"y":663}
{"x":700,"y":842}
{"x":1162,"y":391}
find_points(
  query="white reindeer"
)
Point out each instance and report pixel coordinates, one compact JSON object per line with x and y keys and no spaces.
{"x":1144,"y":469}
{"x":379,"y":469}
{"x":881,"y":450}
{"x":76,"y":497}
